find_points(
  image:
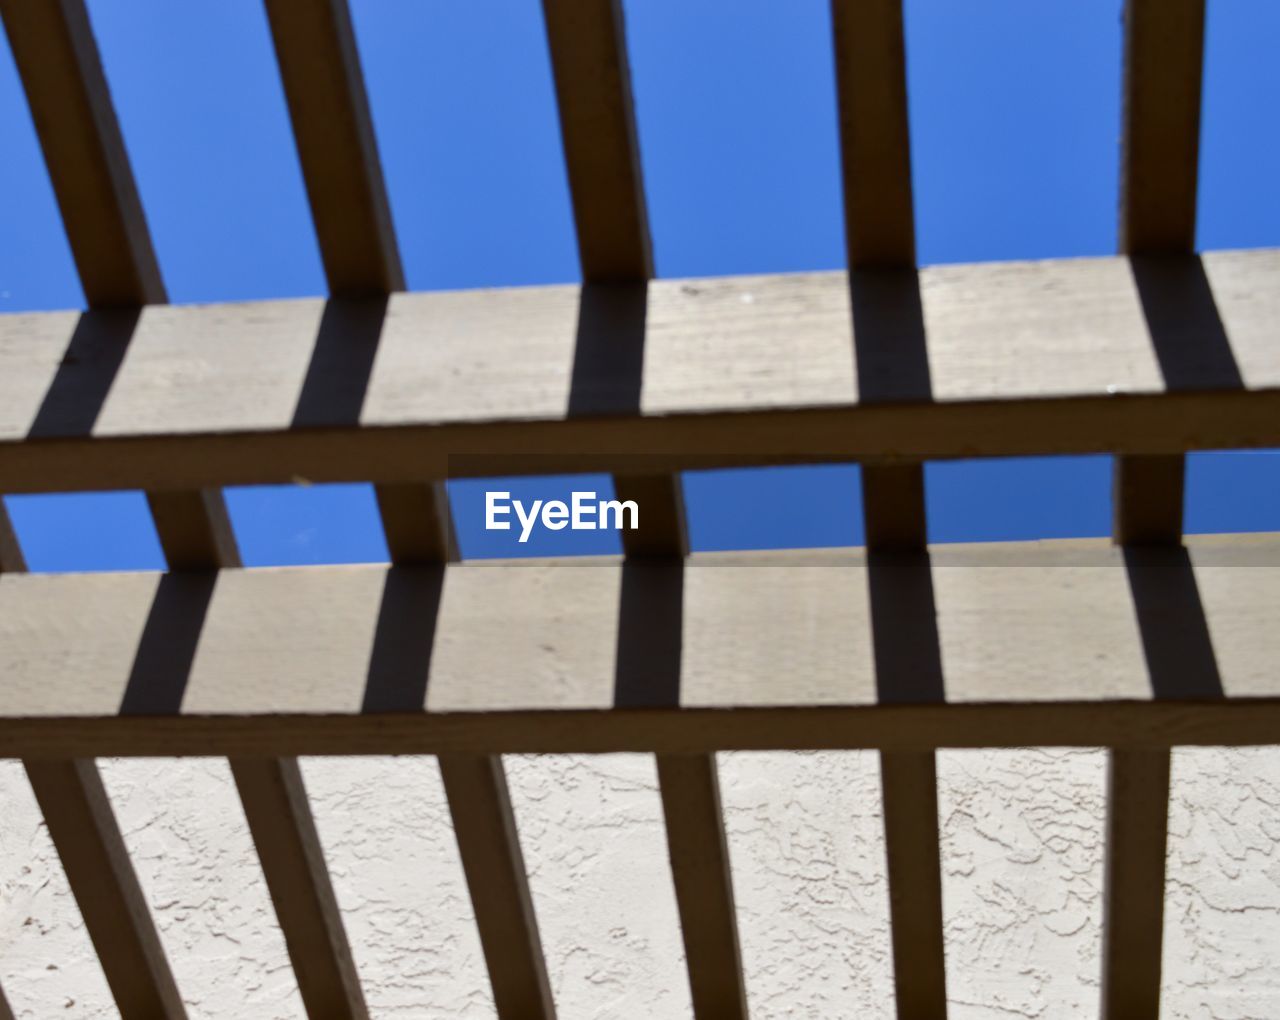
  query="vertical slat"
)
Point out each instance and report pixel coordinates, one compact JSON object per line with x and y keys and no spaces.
{"x":875,"y":144}
{"x":870,"y":64}
{"x":58,"y":61}
{"x":893,"y":509}
{"x":690,"y":788}
{"x":83,"y":828}
{"x":323,"y":84}
{"x":587,"y":42}
{"x":1164,"y":45}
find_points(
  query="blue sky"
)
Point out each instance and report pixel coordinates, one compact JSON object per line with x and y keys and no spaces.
{"x":1015,"y":111}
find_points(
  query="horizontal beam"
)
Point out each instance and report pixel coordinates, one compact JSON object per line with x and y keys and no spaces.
{"x":1075,"y":356}
{"x":1061,"y":643}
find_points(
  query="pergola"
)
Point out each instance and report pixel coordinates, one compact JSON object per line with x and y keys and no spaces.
{"x":1139,"y":645}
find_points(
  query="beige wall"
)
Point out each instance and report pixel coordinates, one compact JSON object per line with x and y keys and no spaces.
{"x":1022,"y":858}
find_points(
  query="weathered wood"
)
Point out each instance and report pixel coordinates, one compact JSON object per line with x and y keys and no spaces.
{"x":485,"y":826}
{"x":284,"y":833}
{"x":78,"y":815}
{"x":57,"y":59}
{"x":1050,"y":357}
{"x":324,"y":87}
{"x":777,"y":651}
{"x":416,"y":522}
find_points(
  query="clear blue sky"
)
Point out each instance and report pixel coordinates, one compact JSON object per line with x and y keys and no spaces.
{"x":1015,"y":110}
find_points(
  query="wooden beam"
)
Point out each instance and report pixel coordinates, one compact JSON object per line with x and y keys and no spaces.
{"x":420,"y":533}
{"x":324,"y":87}
{"x":1031,"y":358}
{"x":57,"y":59}
{"x":875,"y":142}
{"x":1164,"y":46}
{"x":893,"y":509}
{"x":78,"y":815}
{"x":489,"y":845}
{"x":597,"y":125}
{"x":11,"y":558}
{"x":524,"y":657}
{"x":284,"y":833}
{"x":1160,"y":151}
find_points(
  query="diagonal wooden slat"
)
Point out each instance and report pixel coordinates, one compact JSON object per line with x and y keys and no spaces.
{"x":420,"y":532}
{"x":284,"y":833}
{"x":61,"y":71}
{"x":880,"y":240}
{"x":103,"y":215}
{"x":592,"y":75}
{"x":590,"y":65}
{"x":320,"y":69}
{"x":77,"y":812}
{"x":57,"y":59}
{"x":1164,"y":47}
{"x":323,"y":83}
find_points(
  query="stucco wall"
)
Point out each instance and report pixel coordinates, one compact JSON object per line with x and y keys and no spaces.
{"x":1022,"y":859}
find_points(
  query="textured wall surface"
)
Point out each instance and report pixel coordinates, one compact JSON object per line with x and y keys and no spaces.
{"x":1022,"y":872}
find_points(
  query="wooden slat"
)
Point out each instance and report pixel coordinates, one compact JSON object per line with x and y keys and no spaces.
{"x":875,"y":143}
{"x":489,"y":845}
{"x":420,"y":532}
{"x":80,"y":821}
{"x":597,"y":122}
{"x":587,"y":41}
{"x":324,"y":86}
{"x":1163,"y":50}
{"x":11,"y":558}
{"x":893,"y":509}
{"x":524,"y":657}
{"x":57,"y":58}
{"x":194,"y":530}
{"x":1032,"y":358}
{"x":690,"y":788}
{"x":1164,"y":44}
{"x":284,"y":833}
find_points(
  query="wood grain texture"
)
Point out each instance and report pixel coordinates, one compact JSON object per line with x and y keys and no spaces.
{"x":1073,"y":644}
{"x":871,"y":88}
{"x":485,"y":826}
{"x":78,"y":815}
{"x":587,"y":42}
{"x":284,"y":834}
{"x":1025,"y":358}
{"x":57,"y":58}
{"x":324,"y":87}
